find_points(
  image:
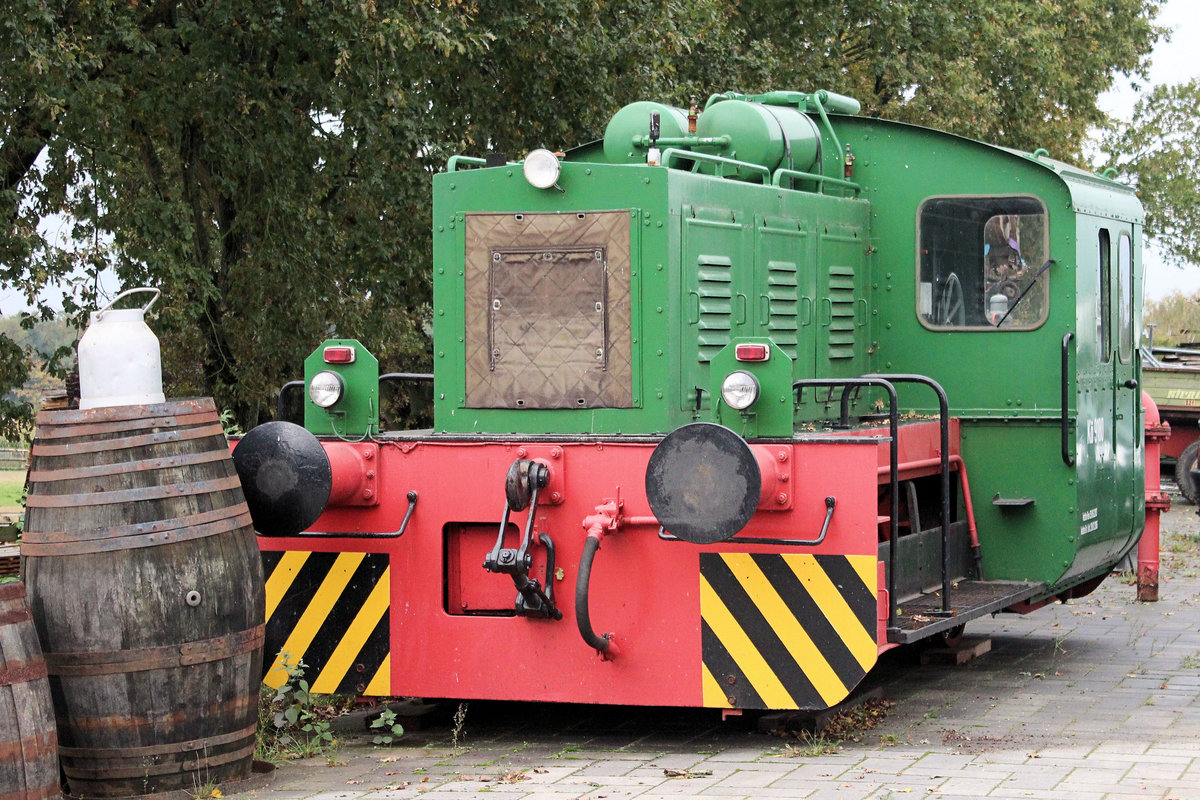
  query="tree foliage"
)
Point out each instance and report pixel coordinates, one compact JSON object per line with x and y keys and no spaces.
{"x":1176,"y":319}
{"x":1160,"y":152}
{"x":32,"y":351}
{"x":1019,"y":73}
{"x":267,"y":164}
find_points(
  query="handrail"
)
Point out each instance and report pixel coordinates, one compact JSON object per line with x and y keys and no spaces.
{"x":944,"y":431}
{"x":830,"y":505}
{"x":816,"y":100}
{"x":416,"y":377}
{"x":280,"y":405}
{"x":1067,"y":456}
{"x":672,"y":153}
{"x":781,"y":173}
{"x":644,"y":140}
{"x":894,"y":468}
{"x":475,"y":161}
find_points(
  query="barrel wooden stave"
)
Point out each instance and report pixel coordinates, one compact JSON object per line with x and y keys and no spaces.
{"x":151,"y":607}
{"x":28,"y":743}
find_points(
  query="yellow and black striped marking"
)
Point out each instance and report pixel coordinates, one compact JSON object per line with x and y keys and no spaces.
{"x":331,"y":611}
{"x":788,"y":631}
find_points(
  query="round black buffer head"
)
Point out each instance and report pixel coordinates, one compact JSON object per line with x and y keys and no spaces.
{"x":285,"y":476}
{"x":703,"y":483}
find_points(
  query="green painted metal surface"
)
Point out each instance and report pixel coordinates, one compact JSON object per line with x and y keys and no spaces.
{"x":1006,"y":384}
{"x":357,"y":413}
{"x":845,"y":277}
{"x":771,"y":415}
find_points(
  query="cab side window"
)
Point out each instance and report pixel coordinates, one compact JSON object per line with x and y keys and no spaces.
{"x":980,"y":263}
{"x":1125,"y":298}
{"x":1104,"y":297}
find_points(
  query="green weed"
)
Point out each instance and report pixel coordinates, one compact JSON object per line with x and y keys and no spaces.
{"x":387,"y":729}
{"x":292,"y":721}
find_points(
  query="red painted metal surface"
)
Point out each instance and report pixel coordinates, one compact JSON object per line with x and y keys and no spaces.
{"x":1183,"y":431}
{"x":1157,"y":501}
{"x":452,"y":633}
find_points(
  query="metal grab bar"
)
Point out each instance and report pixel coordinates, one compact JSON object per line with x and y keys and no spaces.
{"x":672,"y":153}
{"x":780,"y":174}
{"x":830,"y":505}
{"x":893,"y":462}
{"x":1068,"y":457}
{"x":412,"y":506}
{"x":944,"y":431}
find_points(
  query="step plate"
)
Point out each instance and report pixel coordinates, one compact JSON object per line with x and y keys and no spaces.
{"x":920,"y":617}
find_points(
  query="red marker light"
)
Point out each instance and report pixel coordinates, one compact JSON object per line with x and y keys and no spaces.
{"x":752,"y":352}
{"x":339,"y":355}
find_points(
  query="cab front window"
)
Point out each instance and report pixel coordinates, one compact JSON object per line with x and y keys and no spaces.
{"x":981,"y":263}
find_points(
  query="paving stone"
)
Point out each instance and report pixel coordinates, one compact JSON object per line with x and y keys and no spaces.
{"x":1087,"y":700}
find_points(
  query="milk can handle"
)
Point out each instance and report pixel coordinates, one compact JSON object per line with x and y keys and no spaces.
{"x":126,"y":293}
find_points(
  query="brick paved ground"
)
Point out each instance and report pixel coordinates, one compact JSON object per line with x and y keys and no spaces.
{"x":1096,"y":699}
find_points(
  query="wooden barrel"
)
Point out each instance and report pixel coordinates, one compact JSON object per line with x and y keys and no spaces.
{"x":146,"y":587}
{"x":28,"y":745}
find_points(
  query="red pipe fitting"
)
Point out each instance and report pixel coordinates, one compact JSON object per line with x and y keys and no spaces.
{"x":606,"y":520}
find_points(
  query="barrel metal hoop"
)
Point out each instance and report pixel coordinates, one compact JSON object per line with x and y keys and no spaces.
{"x":135,"y":529}
{"x":88,"y":499}
{"x":139,"y":423}
{"x":160,"y":749}
{"x":22,"y":672}
{"x":43,"y":744}
{"x":121,"y":467}
{"x":61,"y":416}
{"x":35,"y":793}
{"x":110,"y":662}
{"x":15,"y":615}
{"x":113,"y":543}
{"x":169,"y":768}
{"x":102,"y":445}
{"x":12,"y":591}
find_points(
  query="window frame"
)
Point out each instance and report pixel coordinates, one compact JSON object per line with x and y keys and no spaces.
{"x":1032,"y":269}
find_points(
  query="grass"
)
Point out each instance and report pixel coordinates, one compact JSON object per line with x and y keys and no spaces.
{"x":12,"y":484}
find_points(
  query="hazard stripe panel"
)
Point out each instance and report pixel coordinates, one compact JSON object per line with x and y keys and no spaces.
{"x":791,"y":631}
{"x":329,"y":610}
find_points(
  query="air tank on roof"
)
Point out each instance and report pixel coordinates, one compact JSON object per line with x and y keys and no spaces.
{"x":777,"y":130}
{"x":770,"y":136}
{"x":633,"y":121}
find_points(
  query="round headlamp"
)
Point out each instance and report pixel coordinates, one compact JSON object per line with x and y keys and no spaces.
{"x":326,"y":388}
{"x":739,"y":390}
{"x":541,"y":169}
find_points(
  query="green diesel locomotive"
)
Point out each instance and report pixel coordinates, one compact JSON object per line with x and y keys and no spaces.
{"x":820,"y":385}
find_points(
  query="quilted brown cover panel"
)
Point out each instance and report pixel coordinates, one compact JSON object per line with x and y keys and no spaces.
{"x":548,"y":322}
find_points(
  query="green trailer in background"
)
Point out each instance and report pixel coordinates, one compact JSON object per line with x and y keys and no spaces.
{"x":1171,"y":376}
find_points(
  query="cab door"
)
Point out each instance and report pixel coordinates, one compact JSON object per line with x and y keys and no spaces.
{"x":1127,"y":400}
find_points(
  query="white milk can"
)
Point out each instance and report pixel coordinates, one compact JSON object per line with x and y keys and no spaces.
{"x":119,"y":360}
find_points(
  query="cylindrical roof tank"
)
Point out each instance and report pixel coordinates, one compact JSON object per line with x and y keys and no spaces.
{"x":634,"y":120}
{"x":768,"y":135}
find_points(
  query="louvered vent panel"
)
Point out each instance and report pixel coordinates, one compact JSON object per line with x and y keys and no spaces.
{"x":714,"y":284}
{"x":841,"y":326}
{"x":781,"y":296}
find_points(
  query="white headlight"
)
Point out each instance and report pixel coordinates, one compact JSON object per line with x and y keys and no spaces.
{"x":541,"y":169}
{"x":739,"y":390}
{"x":326,"y":388}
